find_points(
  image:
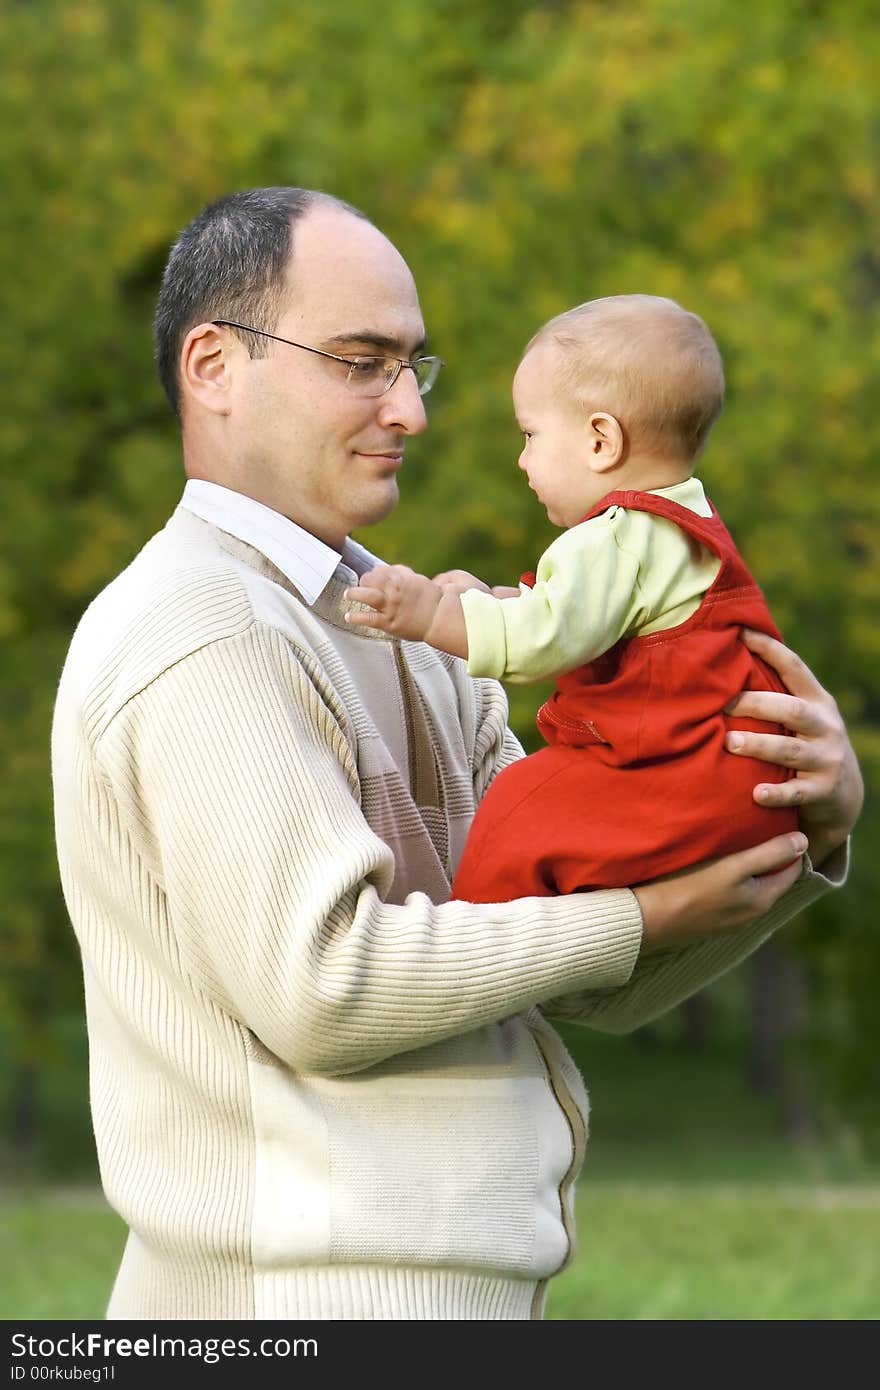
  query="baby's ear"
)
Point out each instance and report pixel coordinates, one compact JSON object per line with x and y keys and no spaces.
{"x":606,"y":444}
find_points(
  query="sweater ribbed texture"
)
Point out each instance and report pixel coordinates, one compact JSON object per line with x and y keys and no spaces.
{"x":318,"y":1088}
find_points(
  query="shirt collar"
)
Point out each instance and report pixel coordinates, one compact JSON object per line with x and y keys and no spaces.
{"x":307,"y":562}
{"x":688,"y":494}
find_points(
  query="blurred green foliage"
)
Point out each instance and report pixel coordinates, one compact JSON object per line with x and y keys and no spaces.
{"x":525,"y":157}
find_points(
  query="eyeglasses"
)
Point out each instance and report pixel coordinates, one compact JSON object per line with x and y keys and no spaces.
{"x":367,"y":376}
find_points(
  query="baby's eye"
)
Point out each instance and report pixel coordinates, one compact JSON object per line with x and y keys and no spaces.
{"x":527,"y":434}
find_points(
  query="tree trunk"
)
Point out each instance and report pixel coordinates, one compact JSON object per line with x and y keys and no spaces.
{"x":696,"y":1021}
{"x":778,"y":1016}
{"x":24,"y":1105}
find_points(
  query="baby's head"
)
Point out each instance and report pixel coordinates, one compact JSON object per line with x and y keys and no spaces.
{"x":617,"y":393}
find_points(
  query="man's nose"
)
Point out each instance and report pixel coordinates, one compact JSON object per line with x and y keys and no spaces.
{"x":402,"y":407}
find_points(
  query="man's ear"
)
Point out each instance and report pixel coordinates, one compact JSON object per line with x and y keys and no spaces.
{"x":607,"y":442}
{"x":206,"y":367}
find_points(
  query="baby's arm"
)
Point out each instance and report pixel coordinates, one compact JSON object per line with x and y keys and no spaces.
{"x":407,"y":604}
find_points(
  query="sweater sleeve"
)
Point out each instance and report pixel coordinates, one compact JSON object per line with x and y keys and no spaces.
{"x":662,"y":980}
{"x":238,"y":788}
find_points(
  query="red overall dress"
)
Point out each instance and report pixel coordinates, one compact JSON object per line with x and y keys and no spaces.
{"x":636,"y":781}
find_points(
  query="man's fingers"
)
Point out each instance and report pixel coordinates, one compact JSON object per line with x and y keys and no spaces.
{"x":796,"y":674}
{"x":797,"y":791}
{"x":792,"y":712}
{"x":772,"y":856}
{"x":774,"y":867}
{"x":770,"y":887}
{"x":776,"y":748}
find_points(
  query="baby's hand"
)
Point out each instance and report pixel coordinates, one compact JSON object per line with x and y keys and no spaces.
{"x":459,"y":581}
{"x":411,"y":605}
{"x":401,"y":601}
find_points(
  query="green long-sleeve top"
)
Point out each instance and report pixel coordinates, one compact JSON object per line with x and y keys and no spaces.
{"x":618,"y":574}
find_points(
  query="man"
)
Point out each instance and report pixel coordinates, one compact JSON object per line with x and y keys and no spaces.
{"x":319,"y":1089}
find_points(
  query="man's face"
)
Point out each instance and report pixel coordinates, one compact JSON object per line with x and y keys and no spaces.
{"x":555,"y":454}
{"x":309,"y":446}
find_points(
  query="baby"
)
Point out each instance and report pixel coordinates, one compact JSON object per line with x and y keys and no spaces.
{"x":636,"y":609}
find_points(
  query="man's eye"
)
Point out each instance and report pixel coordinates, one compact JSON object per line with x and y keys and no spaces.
{"x":367,"y":368}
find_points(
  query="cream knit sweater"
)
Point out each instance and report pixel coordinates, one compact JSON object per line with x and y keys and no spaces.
{"x":319,"y":1089}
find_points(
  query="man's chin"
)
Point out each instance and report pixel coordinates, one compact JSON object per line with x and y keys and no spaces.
{"x":378,"y":504}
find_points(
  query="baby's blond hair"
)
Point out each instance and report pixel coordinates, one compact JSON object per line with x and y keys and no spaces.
{"x":644,"y":359}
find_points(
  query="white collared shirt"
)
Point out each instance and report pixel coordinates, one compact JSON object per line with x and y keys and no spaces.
{"x":306,"y":561}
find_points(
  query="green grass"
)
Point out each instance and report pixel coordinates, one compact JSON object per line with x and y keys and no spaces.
{"x":722,"y":1251}
{"x":61,"y":1249}
{"x":692,"y":1205}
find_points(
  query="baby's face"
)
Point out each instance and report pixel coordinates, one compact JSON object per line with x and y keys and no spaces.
{"x":556,"y":453}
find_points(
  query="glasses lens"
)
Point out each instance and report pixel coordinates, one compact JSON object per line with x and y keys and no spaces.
{"x":426,"y":369}
{"x":372,"y":376}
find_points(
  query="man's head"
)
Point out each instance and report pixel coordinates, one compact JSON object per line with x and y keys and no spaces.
{"x":617,"y":392}
{"x":269,"y":419}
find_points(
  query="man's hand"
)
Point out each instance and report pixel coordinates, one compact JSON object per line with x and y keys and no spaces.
{"x":718,"y":897}
{"x":407,"y":604}
{"x":827,"y":787}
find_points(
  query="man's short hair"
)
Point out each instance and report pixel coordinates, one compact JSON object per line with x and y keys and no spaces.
{"x":644,"y":359}
{"x":229,"y":263}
